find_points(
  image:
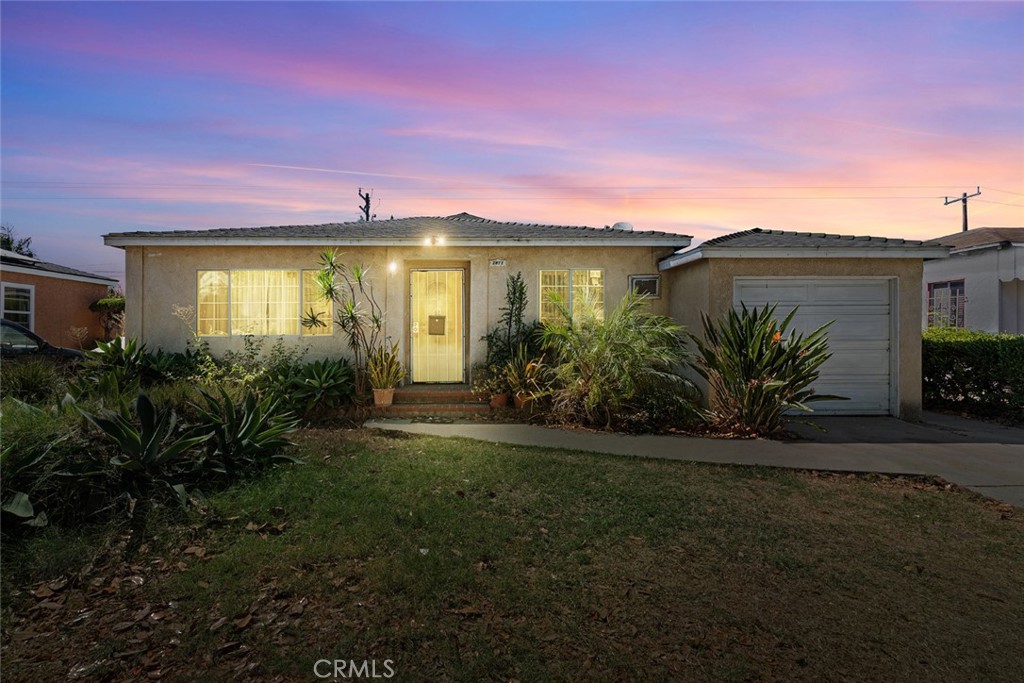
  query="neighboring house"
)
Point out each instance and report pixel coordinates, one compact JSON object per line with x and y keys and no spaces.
{"x":442,"y":282}
{"x":870,"y":287}
{"x":981,"y":285}
{"x":50,"y":299}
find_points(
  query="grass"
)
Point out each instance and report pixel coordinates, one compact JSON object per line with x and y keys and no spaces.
{"x":457,"y":560}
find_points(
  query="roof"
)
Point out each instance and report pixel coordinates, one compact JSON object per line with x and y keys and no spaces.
{"x":981,"y":237}
{"x":14,"y":262}
{"x":764,"y":243}
{"x":457,"y":230}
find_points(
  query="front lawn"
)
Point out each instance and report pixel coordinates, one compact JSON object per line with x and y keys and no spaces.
{"x":457,"y":560}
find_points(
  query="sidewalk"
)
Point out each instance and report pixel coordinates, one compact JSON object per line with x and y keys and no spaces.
{"x":991,"y":463}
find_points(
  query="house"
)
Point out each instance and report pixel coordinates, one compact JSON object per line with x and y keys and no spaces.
{"x":442,"y":283}
{"x":981,"y":285}
{"x":441,"y":280}
{"x":51,"y":299}
{"x":869,"y":287}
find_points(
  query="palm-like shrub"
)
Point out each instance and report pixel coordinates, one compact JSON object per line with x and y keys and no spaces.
{"x":758,"y":369}
{"x":384,"y":369}
{"x":613,"y":370}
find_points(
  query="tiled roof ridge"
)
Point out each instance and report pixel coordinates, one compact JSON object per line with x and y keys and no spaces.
{"x":793,"y":233}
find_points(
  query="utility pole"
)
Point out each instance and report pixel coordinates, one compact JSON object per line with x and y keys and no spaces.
{"x":365,"y":208}
{"x":963,"y":199}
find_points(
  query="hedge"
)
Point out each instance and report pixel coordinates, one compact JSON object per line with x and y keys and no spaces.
{"x":976,"y":373}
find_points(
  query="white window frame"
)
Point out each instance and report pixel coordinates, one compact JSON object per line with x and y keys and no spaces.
{"x":633,"y":279}
{"x":231,"y":334}
{"x":4,"y":286}
{"x":569,"y":303}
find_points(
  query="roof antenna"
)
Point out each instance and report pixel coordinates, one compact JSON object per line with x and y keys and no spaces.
{"x":365,"y":208}
{"x":963,"y":199}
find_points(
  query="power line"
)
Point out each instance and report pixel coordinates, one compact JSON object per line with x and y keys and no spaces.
{"x":994,"y":189}
{"x":963,"y":199}
{"x":989,"y":201}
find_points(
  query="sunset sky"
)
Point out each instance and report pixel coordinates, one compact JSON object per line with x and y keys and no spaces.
{"x":856,"y":118}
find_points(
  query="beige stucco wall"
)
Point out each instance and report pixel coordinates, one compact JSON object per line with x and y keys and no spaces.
{"x":157,"y":278}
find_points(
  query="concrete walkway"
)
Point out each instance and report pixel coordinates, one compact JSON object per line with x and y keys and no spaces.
{"x":986,"y":458}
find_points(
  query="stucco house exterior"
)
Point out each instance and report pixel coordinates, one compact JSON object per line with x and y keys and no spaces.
{"x":441,"y":280}
{"x":870,"y":287}
{"x":49,"y":298}
{"x":442,"y":283}
{"x":981,"y":285}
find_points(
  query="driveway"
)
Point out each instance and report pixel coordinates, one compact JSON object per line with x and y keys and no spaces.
{"x":980,"y":456}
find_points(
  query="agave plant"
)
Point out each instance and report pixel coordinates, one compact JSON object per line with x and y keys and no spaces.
{"x":321,"y":384}
{"x":146,"y":448}
{"x":246,"y":435}
{"x":757,"y":369}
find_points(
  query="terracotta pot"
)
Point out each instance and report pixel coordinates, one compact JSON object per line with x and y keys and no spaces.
{"x":499,"y":400}
{"x":383,"y":397}
{"x":522,"y":400}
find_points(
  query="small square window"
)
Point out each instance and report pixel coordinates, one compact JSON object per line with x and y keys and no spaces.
{"x":646,"y":284}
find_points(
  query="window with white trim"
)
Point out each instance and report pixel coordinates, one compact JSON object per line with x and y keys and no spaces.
{"x":18,"y":302}
{"x":259,"y":302}
{"x":580,"y":290}
{"x":946,"y":304}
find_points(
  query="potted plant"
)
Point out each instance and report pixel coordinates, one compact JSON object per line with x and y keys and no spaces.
{"x":489,"y":380}
{"x":385,"y":373}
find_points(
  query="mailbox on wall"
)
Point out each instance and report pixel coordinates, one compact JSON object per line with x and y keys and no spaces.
{"x":435,"y":324}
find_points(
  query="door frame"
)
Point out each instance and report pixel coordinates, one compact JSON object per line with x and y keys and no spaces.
{"x":465,"y":322}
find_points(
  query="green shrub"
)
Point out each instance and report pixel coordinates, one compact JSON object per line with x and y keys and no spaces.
{"x":757,"y":369}
{"x":317,"y":386}
{"x":33,"y":380}
{"x":42,"y":452}
{"x":973,"y":372}
{"x":608,"y":372}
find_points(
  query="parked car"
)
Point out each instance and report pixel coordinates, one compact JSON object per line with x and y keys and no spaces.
{"x":17,"y":341}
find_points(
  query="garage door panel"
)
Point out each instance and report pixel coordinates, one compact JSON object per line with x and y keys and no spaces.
{"x":859,"y":338}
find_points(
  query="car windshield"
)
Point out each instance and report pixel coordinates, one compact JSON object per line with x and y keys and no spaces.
{"x":17,"y":340}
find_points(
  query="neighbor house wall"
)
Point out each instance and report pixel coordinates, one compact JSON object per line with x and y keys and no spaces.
{"x":61,"y":304}
{"x":981,"y":270}
{"x":160,"y":278}
{"x":907,"y":272}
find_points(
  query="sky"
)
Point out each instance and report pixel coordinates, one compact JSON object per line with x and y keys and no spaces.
{"x":697,"y":118}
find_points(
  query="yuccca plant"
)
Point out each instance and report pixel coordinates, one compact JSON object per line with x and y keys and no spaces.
{"x":757,"y":368}
{"x":384,"y":369}
{"x":606,"y":372}
{"x":356,"y":310}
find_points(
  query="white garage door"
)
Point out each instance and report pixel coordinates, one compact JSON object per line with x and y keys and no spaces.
{"x":860,"y":339}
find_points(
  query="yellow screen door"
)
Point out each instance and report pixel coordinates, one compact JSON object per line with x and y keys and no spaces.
{"x":437,"y":326}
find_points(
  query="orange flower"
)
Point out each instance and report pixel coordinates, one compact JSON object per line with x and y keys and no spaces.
{"x":777,"y":337}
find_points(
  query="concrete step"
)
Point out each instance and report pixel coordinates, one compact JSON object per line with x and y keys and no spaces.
{"x":424,"y":409}
{"x":437,"y":397}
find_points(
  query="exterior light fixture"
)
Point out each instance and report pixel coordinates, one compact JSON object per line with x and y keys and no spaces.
{"x":439,"y":240}
{"x":393,"y":267}
{"x":427,"y":241}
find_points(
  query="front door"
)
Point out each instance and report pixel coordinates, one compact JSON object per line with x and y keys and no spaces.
{"x":437,"y":326}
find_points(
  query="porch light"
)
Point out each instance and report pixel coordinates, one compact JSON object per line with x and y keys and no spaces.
{"x":439,"y":240}
{"x":393,"y":267}
{"x":436,"y":240}
{"x":427,"y":241}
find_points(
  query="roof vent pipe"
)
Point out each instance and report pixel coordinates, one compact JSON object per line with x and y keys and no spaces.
{"x":623,"y":226}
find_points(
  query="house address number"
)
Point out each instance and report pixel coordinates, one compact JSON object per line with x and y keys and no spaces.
{"x":497,"y":263}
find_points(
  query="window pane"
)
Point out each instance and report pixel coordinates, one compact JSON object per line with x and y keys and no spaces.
{"x":212,"y":303}
{"x":588,"y":294}
{"x":17,"y":305}
{"x":553,"y":283}
{"x":314,"y":301}
{"x":265,"y":302}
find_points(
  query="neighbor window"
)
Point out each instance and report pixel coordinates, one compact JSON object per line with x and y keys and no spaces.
{"x":259,"y":302}
{"x":580,"y":290}
{"x":946,"y":304}
{"x":17,"y":304}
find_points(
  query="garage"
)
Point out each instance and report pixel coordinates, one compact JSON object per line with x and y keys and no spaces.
{"x":870,"y":287}
{"x":860,"y":338}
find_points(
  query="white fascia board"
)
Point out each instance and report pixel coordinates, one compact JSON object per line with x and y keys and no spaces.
{"x":679,"y":259}
{"x":377,"y":242}
{"x":815,"y":252}
{"x":58,"y":276}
